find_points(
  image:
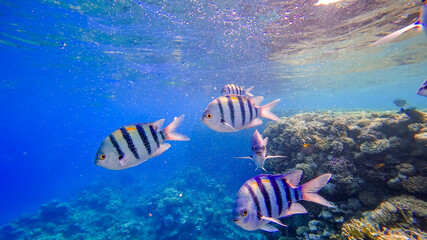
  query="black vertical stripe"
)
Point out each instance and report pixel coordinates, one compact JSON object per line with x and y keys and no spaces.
{"x":242,"y":109}
{"x":250,"y":110}
{"x":264,"y":194}
{"x":229,"y":89}
{"x":154,"y":134}
{"x":221,"y":110}
{"x":129,"y":141}
{"x":231,"y":107}
{"x":234,"y":89}
{"x":296,"y":193}
{"x":144,"y":138}
{"x":277,"y":193}
{"x":287,"y":192}
{"x":256,"y":111}
{"x":116,"y":146}
{"x":163,"y":135}
{"x":255,"y":199}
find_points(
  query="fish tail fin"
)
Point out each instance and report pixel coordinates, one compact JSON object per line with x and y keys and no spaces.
{"x":309,"y":190}
{"x":170,"y":130}
{"x":266,"y":110}
{"x":419,"y":25}
{"x":247,"y":91}
{"x":389,"y":38}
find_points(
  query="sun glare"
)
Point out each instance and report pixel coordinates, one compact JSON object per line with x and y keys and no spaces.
{"x":326,"y":2}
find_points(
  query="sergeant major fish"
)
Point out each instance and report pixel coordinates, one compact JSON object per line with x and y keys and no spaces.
{"x":232,"y":113}
{"x":133,"y":144}
{"x":266,"y":198}
{"x":237,"y":90}
{"x":259,"y":150}
{"x":420,"y":24}
{"x":423,"y":89}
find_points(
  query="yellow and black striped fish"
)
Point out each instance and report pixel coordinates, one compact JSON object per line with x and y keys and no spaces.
{"x":232,"y":113}
{"x":133,"y":144}
{"x":266,"y":198}
{"x":237,"y":90}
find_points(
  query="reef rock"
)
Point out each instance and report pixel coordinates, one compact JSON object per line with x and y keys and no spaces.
{"x":358,"y":148}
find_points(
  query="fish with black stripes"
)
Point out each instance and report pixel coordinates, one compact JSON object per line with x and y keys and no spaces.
{"x":232,"y":113}
{"x":259,"y":151}
{"x":423,"y":89}
{"x":266,"y":198}
{"x":134,"y":144}
{"x":236,"y":90}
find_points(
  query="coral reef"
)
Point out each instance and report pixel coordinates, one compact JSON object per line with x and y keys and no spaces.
{"x":375,"y":147}
{"x":363,"y":229}
{"x":372,"y":155}
{"x":402,"y":217}
{"x":188,"y":207}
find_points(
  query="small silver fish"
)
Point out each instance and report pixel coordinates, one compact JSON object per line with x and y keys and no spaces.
{"x":133,"y":144}
{"x":420,"y":24}
{"x":400,"y":102}
{"x":266,"y":198}
{"x":232,"y":113}
{"x":423,"y":89}
{"x":237,"y":90}
{"x":259,"y":151}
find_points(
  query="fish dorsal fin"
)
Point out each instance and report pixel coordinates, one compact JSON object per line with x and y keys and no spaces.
{"x":265,"y":141}
{"x":269,"y":228}
{"x":293,"y":178}
{"x":158,"y":124}
{"x":257,"y":100}
{"x":295,"y":208}
{"x":247,"y":91}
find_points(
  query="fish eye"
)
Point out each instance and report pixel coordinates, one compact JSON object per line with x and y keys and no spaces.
{"x":102,"y":156}
{"x":245,"y":212}
{"x":252,"y":148}
{"x":208,"y":116}
{"x":120,"y":157}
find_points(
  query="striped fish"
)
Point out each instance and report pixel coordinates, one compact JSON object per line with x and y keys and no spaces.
{"x":236,"y":90}
{"x":259,"y":151}
{"x":232,"y":113}
{"x":266,"y":198}
{"x":133,"y":144}
{"x":423,"y":89}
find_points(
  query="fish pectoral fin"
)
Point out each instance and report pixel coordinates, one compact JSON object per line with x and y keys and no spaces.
{"x":275,"y":220}
{"x":295,"y":208}
{"x":269,"y":228}
{"x":123,"y":162}
{"x":163,"y":147}
{"x":228,"y":125}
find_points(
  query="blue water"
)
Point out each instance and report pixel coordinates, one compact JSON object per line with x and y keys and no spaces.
{"x":74,"y":71}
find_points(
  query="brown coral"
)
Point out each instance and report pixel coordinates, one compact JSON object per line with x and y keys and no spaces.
{"x":416,"y":184}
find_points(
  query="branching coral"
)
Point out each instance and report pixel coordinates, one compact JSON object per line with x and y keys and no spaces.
{"x":363,"y":229}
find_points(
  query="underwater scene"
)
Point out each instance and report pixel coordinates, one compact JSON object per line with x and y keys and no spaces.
{"x":213,"y":119}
